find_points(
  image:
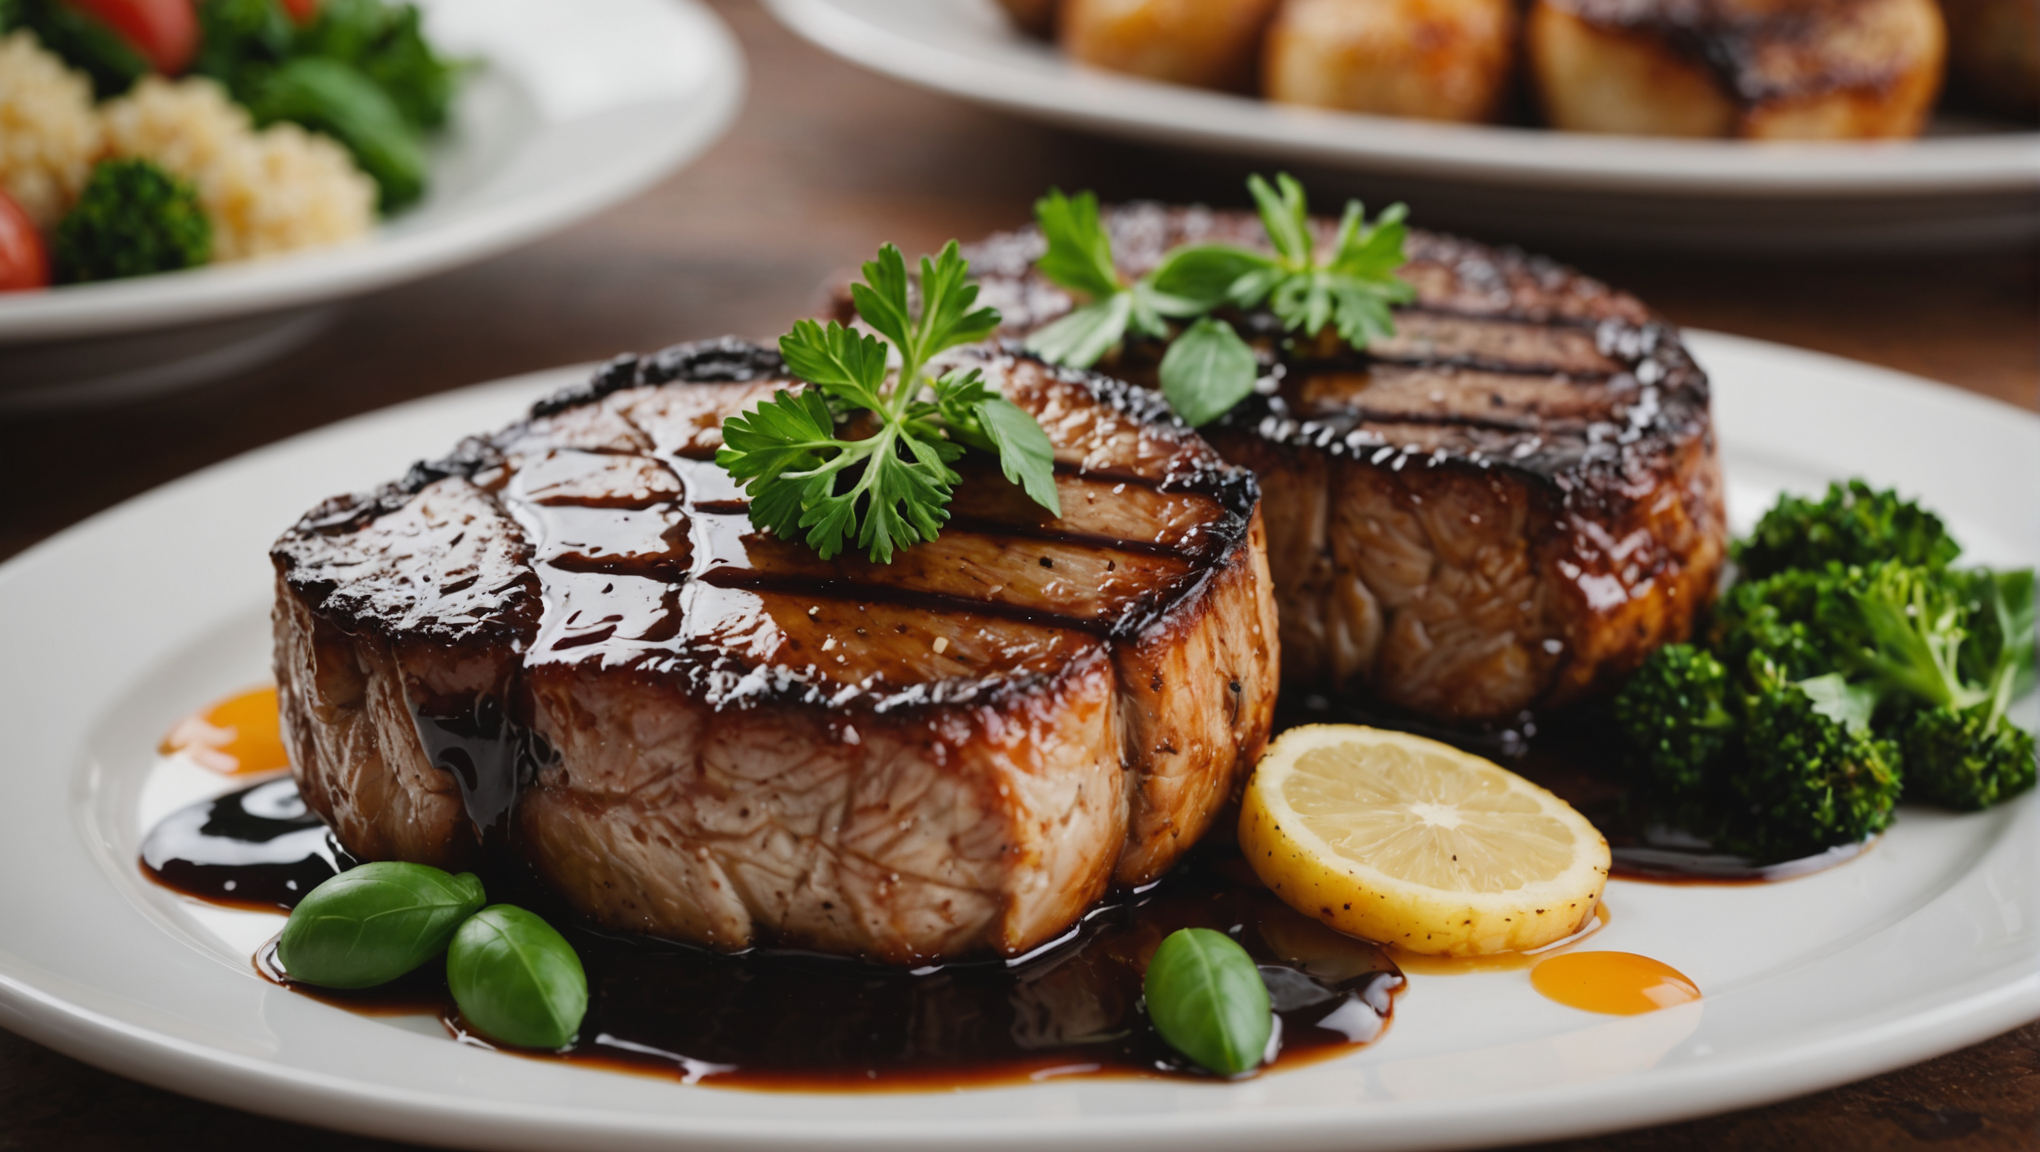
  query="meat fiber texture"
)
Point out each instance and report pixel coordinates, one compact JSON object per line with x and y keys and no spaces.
{"x":566,"y":646}
{"x":1505,"y":506}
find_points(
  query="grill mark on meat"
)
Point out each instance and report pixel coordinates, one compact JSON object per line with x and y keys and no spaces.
{"x":1438,"y":505}
{"x":936,"y":602}
{"x":649,"y":655}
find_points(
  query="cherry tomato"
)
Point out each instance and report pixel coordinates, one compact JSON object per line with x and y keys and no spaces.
{"x":165,"y":32}
{"x":302,"y":11}
{"x":23,"y":264}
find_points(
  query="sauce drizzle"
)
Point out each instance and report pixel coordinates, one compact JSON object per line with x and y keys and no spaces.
{"x":787,"y":1019}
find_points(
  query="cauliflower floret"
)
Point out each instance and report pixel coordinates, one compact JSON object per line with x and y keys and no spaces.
{"x":49,"y":132}
{"x":266,"y":192}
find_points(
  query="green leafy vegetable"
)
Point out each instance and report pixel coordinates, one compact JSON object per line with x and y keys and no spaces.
{"x":887,"y":487}
{"x":1207,"y":371}
{"x":516,"y":979}
{"x":1207,"y":1000}
{"x":373,"y":923}
{"x":132,"y":219}
{"x":336,"y":98}
{"x":241,"y":42}
{"x":387,"y":44}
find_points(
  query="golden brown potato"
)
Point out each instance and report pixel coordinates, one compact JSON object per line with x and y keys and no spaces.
{"x":1764,"y":69}
{"x":1035,"y":17}
{"x":1205,"y":43}
{"x":1434,"y":59}
{"x":1994,"y":52}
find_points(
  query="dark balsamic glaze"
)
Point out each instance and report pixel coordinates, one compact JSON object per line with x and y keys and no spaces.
{"x":256,"y":848}
{"x":779,"y":1018}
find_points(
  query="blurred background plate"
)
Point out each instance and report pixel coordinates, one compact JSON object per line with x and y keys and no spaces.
{"x":577,"y":105}
{"x":1968,"y":184}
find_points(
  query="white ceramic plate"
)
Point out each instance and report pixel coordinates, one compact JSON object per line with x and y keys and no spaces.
{"x":120,"y":625}
{"x":1974,"y":187}
{"x":577,"y":105}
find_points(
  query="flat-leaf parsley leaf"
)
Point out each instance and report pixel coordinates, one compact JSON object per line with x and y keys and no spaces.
{"x":863,"y":452}
{"x":1208,"y":368}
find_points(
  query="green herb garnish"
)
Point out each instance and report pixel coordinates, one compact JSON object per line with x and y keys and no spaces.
{"x":1352,"y":290}
{"x":863,"y":452}
{"x":1205,"y":996}
{"x":517,"y":979}
{"x":373,"y":923}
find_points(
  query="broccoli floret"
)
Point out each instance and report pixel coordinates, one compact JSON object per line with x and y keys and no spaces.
{"x":1852,"y":524}
{"x":133,"y":219}
{"x":1814,"y":776}
{"x":2001,"y":622}
{"x":1904,"y":628}
{"x":1968,"y":760}
{"x":1675,"y":712}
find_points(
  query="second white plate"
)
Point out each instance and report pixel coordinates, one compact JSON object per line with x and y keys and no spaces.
{"x":573,"y":106}
{"x":1971,"y":189}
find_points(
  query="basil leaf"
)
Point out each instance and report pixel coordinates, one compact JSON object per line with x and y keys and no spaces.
{"x":1207,"y":273}
{"x":1206,"y":998}
{"x":516,"y":979}
{"x":373,"y":923}
{"x":1207,"y":371}
{"x":1079,"y":338}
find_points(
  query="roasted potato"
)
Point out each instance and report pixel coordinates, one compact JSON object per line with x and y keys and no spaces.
{"x":1763,"y":69}
{"x":1994,"y":52}
{"x":1035,"y":17}
{"x":1433,"y":59}
{"x":1205,"y":43}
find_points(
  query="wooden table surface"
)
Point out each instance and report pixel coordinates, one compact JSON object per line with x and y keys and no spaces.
{"x":825,"y":164}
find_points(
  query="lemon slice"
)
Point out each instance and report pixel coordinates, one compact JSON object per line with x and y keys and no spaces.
{"x":1409,"y":842}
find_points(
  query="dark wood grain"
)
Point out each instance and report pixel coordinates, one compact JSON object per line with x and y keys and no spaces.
{"x":825,"y":164}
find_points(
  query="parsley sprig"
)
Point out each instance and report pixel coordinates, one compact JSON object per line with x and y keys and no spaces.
{"x":887,"y":486}
{"x":1208,"y":367}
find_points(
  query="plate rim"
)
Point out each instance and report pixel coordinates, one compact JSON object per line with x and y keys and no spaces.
{"x":299,"y":279}
{"x":1968,"y":1012}
{"x":1083,"y":97}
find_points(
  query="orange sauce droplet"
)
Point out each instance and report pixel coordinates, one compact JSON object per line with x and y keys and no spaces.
{"x":1618,"y":983}
{"x":240,"y":734}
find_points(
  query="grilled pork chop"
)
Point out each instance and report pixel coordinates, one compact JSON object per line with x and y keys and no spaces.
{"x":1506,"y":505}
{"x":566,"y":642}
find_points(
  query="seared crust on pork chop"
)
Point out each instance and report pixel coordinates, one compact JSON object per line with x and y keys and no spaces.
{"x":567,"y":643}
{"x":1506,"y":505}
